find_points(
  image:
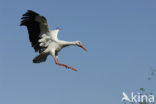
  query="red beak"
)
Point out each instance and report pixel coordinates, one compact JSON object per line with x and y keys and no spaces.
{"x":83,"y":47}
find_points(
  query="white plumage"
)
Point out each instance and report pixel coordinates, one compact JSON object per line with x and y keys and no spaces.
{"x":43,"y":40}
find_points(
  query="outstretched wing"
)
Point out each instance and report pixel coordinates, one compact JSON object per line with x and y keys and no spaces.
{"x":37,"y":25}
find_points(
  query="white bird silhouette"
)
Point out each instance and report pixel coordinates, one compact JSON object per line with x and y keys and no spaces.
{"x":125,"y":97}
{"x":43,"y":40}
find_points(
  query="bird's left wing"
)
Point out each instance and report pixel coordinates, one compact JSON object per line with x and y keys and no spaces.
{"x":37,"y":26}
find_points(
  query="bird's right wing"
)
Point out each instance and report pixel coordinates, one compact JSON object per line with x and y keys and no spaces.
{"x":38,"y":28}
{"x":54,"y":33}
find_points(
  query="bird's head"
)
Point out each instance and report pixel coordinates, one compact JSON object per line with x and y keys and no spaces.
{"x":58,"y":28}
{"x":78,"y":43}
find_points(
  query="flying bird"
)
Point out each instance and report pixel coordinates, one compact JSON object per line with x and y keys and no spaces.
{"x":44,"y":40}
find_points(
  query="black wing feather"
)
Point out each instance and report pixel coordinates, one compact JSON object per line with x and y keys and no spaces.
{"x":33,"y":27}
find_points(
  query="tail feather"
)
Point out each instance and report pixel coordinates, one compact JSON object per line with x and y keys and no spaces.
{"x":40,"y":58}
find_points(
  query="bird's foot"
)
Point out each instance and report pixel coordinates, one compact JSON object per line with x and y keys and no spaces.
{"x":69,"y":67}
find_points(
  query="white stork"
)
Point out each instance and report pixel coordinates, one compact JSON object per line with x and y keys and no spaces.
{"x":43,"y":40}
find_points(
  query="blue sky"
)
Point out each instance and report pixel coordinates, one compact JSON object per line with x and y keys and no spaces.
{"x":120,"y":36}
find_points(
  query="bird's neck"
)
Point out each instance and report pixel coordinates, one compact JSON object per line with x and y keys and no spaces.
{"x":66,"y":43}
{"x":69,"y":43}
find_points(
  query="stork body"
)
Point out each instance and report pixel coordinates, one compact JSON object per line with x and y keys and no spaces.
{"x":43,"y":40}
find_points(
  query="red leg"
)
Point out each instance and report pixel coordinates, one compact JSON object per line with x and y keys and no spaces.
{"x":58,"y":63}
